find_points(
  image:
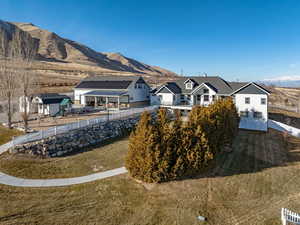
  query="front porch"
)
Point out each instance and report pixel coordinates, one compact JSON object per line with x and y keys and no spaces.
{"x":107,"y":100}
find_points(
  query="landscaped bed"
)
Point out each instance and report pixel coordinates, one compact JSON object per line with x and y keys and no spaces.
{"x":7,"y":134}
{"x":109,"y":156}
{"x":250,"y":186}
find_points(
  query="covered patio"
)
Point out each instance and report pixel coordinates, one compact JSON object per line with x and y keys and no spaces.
{"x":107,"y":99}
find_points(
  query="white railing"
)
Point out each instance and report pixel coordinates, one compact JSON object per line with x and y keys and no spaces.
{"x":284,"y":128}
{"x":289,"y":216}
{"x":113,"y":115}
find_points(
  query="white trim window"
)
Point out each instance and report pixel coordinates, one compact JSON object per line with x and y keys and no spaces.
{"x":257,"y":115}
{"x":247,"y":100}
{"x":206,"y":98}
{"x":263,"y":101}
{"x":189,"y":85}
{"x":244,"y":113}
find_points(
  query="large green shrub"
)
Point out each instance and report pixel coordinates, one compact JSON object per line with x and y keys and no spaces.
{"x":170,"y":149}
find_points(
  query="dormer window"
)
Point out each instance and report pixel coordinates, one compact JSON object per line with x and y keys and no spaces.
{"x":189,"y":85}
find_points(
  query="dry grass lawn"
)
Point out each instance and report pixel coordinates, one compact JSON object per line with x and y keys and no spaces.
{"x":7,"y":134}
{"x":249,"y":187}
{"x":109,"y":156}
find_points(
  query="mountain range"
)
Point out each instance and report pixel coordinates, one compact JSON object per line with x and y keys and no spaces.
{"x":283,"y":81}
{"x":63,"y":58}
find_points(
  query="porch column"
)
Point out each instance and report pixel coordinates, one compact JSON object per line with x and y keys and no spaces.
{"x":106,"y":102}
{"x":118,"y":102}
{"x":95,"y":104}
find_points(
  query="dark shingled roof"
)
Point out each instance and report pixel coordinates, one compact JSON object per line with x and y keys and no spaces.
{"x":109,"y":82}
{"x":52,"y":98}
{"x":113,"y":84}
{"x":173,"y":87}
{"x":219,"y":85}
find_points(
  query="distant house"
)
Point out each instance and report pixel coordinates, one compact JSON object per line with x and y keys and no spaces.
{"x":112,"y":92}
{"x":251,"y":99}
{"x":47,"y":104}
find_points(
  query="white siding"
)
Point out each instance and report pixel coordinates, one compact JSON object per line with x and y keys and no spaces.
{"x":135,"y":94}
{"x":254,"y":106}
{"x":166,"y":98}
{"x":139,"y":94}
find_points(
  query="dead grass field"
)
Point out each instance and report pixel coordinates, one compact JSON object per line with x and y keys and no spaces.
{"x":249,"y":187}
{"x":109,"y":156}
{"x":7,"y":134}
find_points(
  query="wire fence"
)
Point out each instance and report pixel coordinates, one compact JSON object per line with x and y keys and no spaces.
{"x":56,"y":130}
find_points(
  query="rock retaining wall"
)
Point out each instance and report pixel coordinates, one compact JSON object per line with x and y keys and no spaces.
{"x":76,"y":140}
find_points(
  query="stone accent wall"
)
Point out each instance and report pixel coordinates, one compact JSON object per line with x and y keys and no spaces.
{"x":77,"y":140}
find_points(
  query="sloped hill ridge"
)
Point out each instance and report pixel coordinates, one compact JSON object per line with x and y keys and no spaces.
{"x":11,"y":35}
{"x":54,"y":48}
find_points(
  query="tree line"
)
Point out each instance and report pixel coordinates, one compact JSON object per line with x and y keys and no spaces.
{"x":163,"y":149}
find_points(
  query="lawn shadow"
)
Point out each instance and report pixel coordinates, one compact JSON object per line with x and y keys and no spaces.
{"x":256,"y":151}
{"x":253,"y":152}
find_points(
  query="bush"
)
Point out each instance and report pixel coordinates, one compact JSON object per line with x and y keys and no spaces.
{"x":167,"y":149}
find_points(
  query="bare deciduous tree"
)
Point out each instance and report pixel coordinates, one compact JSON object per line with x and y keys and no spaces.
{"x":16,"y":78}
{"x":8,"y":87}
{"x":27,"y":82}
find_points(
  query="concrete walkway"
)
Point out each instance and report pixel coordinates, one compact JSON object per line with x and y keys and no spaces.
{"x":20,"y":182}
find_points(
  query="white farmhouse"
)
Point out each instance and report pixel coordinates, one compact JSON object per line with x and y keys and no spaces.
{"x":112,"y":92}
{"x":250,"y":98}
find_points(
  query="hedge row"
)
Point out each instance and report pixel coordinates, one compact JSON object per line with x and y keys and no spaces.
{"x":165,"y":149}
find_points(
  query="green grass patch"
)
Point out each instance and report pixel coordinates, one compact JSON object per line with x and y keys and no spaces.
{"x":103,"y":158}
{"x":7,"y":134}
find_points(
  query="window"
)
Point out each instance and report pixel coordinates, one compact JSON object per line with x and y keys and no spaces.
{"x":257,"y":115}
{"x":244,"y":113}
{"x":263,"y":101}
{"x":181,"y":97}
{"x":205,"y":91}
{"x":213,"y":97}
{"x":206,"y":98}
{"x":198,"y":97}
{"x":174,"y":98}
{"x":189,"y":85}
{"x":247,"y":100}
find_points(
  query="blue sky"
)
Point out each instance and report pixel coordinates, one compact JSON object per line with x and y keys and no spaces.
{"x":244,"y":40}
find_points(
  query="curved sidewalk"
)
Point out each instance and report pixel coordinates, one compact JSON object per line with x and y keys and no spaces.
{"x":21,"y":182}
